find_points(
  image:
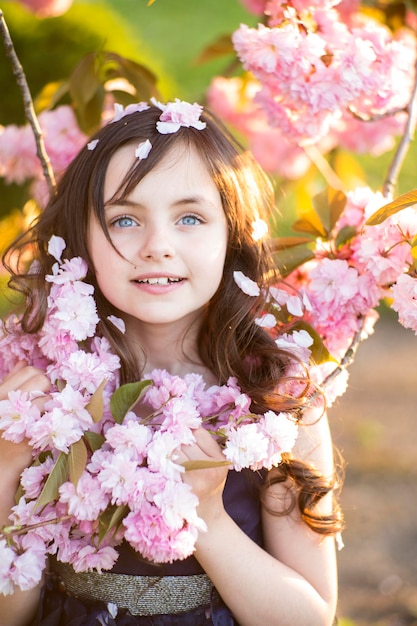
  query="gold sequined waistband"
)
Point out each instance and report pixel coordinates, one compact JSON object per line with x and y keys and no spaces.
{"x":140,"y":595}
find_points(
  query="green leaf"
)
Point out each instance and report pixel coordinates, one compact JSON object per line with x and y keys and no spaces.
{"x":288,"y":260}
{"x":402,"y":202}
{"x":319,"y":352}
{"x":87,"y":93}
{"x":111,"y":518}
{"x":94,"y":440}
{"x":84,"y":81}
{"x":77,"y":460}
{"x":50,"y":95}
{"x":138,"y":75}
{"x":198,"y":465}
{"x":95,"y":405}
{"x":56,"y":478}
{"x":282,"y":243}
{"x":19,"y":493}
{"x":329,"y":205}
{"x":125,"y":397}
{"x":345,"y":234}
{"x":279,"y":312}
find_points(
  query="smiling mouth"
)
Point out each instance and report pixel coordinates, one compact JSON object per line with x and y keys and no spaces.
{"x":162,"y":280}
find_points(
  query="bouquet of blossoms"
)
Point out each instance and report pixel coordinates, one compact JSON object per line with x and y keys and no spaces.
{"x":101,"y":474}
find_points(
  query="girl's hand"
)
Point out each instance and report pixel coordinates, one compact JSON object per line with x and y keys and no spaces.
{"x":14,"y":457}
{"x":26,"y":378}
{"x":207,"y":484}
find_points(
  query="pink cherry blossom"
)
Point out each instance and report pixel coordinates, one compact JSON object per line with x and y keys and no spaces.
{"x":130,"y":438}
{"x":86,"y":501}
{"x":17,"y":413}
{"x":120,"y":111}
{"x":7,"y":557}
{"x":254,"y":6}
{"x":312,"y":77}
{"x":89,"y":559}
{"x":178,"y":113}
{"x":281,"y":432}
{"x":119,"y":478}
{"x":33,"y":477}
{"x":47,"y":8}
{"x":404,"y":293}
{"x":246,"y":446}
{"x":28,"y":569}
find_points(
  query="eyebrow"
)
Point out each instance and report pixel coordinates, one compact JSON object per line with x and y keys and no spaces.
{"x":196,"y":199}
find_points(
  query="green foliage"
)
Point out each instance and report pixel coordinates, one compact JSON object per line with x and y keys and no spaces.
{"x":56,"y":478}
{"x":179,"y":31}
{"x":125,"y":397}
{"x":96,"y":404}
{"x":111,"y":519}
{"x":77,"y":460}
{"x":49,"y":49}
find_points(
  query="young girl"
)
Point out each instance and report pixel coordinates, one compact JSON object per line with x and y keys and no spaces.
{"x":161,"y":205}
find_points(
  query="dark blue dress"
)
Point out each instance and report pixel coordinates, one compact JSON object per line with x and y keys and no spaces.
{"x":74,"y":602}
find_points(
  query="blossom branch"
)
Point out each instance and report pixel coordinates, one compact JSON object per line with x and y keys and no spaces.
{"x":397,"y":162}
{"x":377,"y":116}
{"x":28,"y":104}
{"x":15,"y":531}
{"x":348,"y":357}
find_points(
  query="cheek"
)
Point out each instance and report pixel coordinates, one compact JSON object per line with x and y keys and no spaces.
{"x":100,"y":250}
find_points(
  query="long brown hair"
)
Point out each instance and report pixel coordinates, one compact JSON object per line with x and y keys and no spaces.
{"x":230,"y":343}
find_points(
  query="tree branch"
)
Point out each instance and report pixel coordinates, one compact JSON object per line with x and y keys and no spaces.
{"x":28,"y":105}
{"x":348,"y":357}
{"x":410,"y":127}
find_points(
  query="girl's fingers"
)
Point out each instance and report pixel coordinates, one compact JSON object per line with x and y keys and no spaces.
{"x":205,"y":447}
{"x":25,"y":378}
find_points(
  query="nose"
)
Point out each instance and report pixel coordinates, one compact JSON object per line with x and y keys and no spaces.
{"x":157,"y":243}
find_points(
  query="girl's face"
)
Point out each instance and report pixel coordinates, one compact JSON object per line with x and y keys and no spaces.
{"x":171,"y":233}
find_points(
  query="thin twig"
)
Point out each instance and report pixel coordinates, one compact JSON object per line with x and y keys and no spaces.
{"x":347,"y":358}
{"x":376,"y":117}
{"x":15,"y":531}
{"x":396,"y":164}
{"x":28,"y":105}
{"x":324,"y":168}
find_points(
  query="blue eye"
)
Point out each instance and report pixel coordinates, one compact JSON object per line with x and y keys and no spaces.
{"x":124,"y":222}
{"x":190,"y":220}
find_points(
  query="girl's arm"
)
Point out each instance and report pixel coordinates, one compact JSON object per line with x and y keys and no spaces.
{"x":19,"y":608}
{"x":293,"y":582}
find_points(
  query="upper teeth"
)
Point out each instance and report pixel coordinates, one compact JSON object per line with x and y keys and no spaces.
{"x":162,"y":280}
